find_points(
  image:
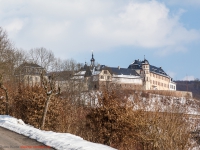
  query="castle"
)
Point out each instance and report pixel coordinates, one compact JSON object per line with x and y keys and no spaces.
{"x":138,"y":74}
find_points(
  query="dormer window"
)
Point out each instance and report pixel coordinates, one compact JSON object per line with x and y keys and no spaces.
{"x":105,"y":71}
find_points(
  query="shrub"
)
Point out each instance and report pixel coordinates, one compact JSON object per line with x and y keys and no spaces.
{"x":28,"y":105}
{"x":114,"y":122}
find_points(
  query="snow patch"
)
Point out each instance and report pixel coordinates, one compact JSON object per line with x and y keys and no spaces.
{"x":58,"y":141}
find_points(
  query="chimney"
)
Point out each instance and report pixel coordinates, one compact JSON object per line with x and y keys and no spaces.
{"x":119,"y":67}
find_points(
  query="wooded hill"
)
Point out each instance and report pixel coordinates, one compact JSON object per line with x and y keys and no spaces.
{"x":191,"y":86}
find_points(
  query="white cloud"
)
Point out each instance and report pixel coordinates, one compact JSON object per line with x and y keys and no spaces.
{"x":189,"y":78}
{"x":171,"y":74}
{"x":74,"y":26}
{"x":14,"y":26}
{"x":170,"y":50}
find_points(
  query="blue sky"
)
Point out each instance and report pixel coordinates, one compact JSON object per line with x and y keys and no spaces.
{"x":166,"y":32}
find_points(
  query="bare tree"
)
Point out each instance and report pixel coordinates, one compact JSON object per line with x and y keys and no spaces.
{"x":6,"y":92}
{"x":50,"y":89}
{"x":57,"y":65}
{"x":7,"y":62}
{"x":6,"y":54}
{"x":21,"y":56}
{"x":71,"y":65}
{"x":5,"y":45}
{"x":42,"y":57}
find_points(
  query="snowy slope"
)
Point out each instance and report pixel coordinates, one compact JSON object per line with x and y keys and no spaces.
{"x":60,"y":141}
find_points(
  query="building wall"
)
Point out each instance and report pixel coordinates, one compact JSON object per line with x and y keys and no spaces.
{"x":159,"y":82}
{"x":123,"y":80}
{"x":151,"y":81}
{"x":32,"y":79}
{"x":105,"y":75}
{"x":29,"y":75}
{"x":105,"y":80}
{"x":172,"y":86}
{"x":154,"y":81}
{"x":146,"y":76}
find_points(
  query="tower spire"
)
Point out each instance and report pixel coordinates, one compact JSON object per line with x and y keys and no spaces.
{"x":92,"y":60}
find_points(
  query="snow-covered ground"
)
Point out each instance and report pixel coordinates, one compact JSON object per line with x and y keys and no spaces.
{"x":60,"y":141}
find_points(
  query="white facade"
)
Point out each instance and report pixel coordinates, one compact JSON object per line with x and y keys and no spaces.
{"x":172,"y":86}
{"x":127,"y":79}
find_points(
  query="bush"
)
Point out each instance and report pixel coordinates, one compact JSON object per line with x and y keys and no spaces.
{"x":121,"y":119}
{"x":28,"y":105}
{"x":114,"y":122}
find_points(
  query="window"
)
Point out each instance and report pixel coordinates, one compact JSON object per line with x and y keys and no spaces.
{"x":102,"y":77}
{"x":30,"y":78}
{"x":105,"y":71}
{"x":108,"y":77}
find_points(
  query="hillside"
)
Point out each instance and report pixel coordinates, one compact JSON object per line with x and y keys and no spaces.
{"x":192,"y":86}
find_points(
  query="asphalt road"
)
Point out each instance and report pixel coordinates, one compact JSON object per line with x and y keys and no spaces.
{"x":13,"y":141}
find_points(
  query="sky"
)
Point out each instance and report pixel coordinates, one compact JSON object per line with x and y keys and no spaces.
{"x":166,"y":32}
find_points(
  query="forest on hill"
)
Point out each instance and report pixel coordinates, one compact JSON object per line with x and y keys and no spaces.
{"x":191,"y":86}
